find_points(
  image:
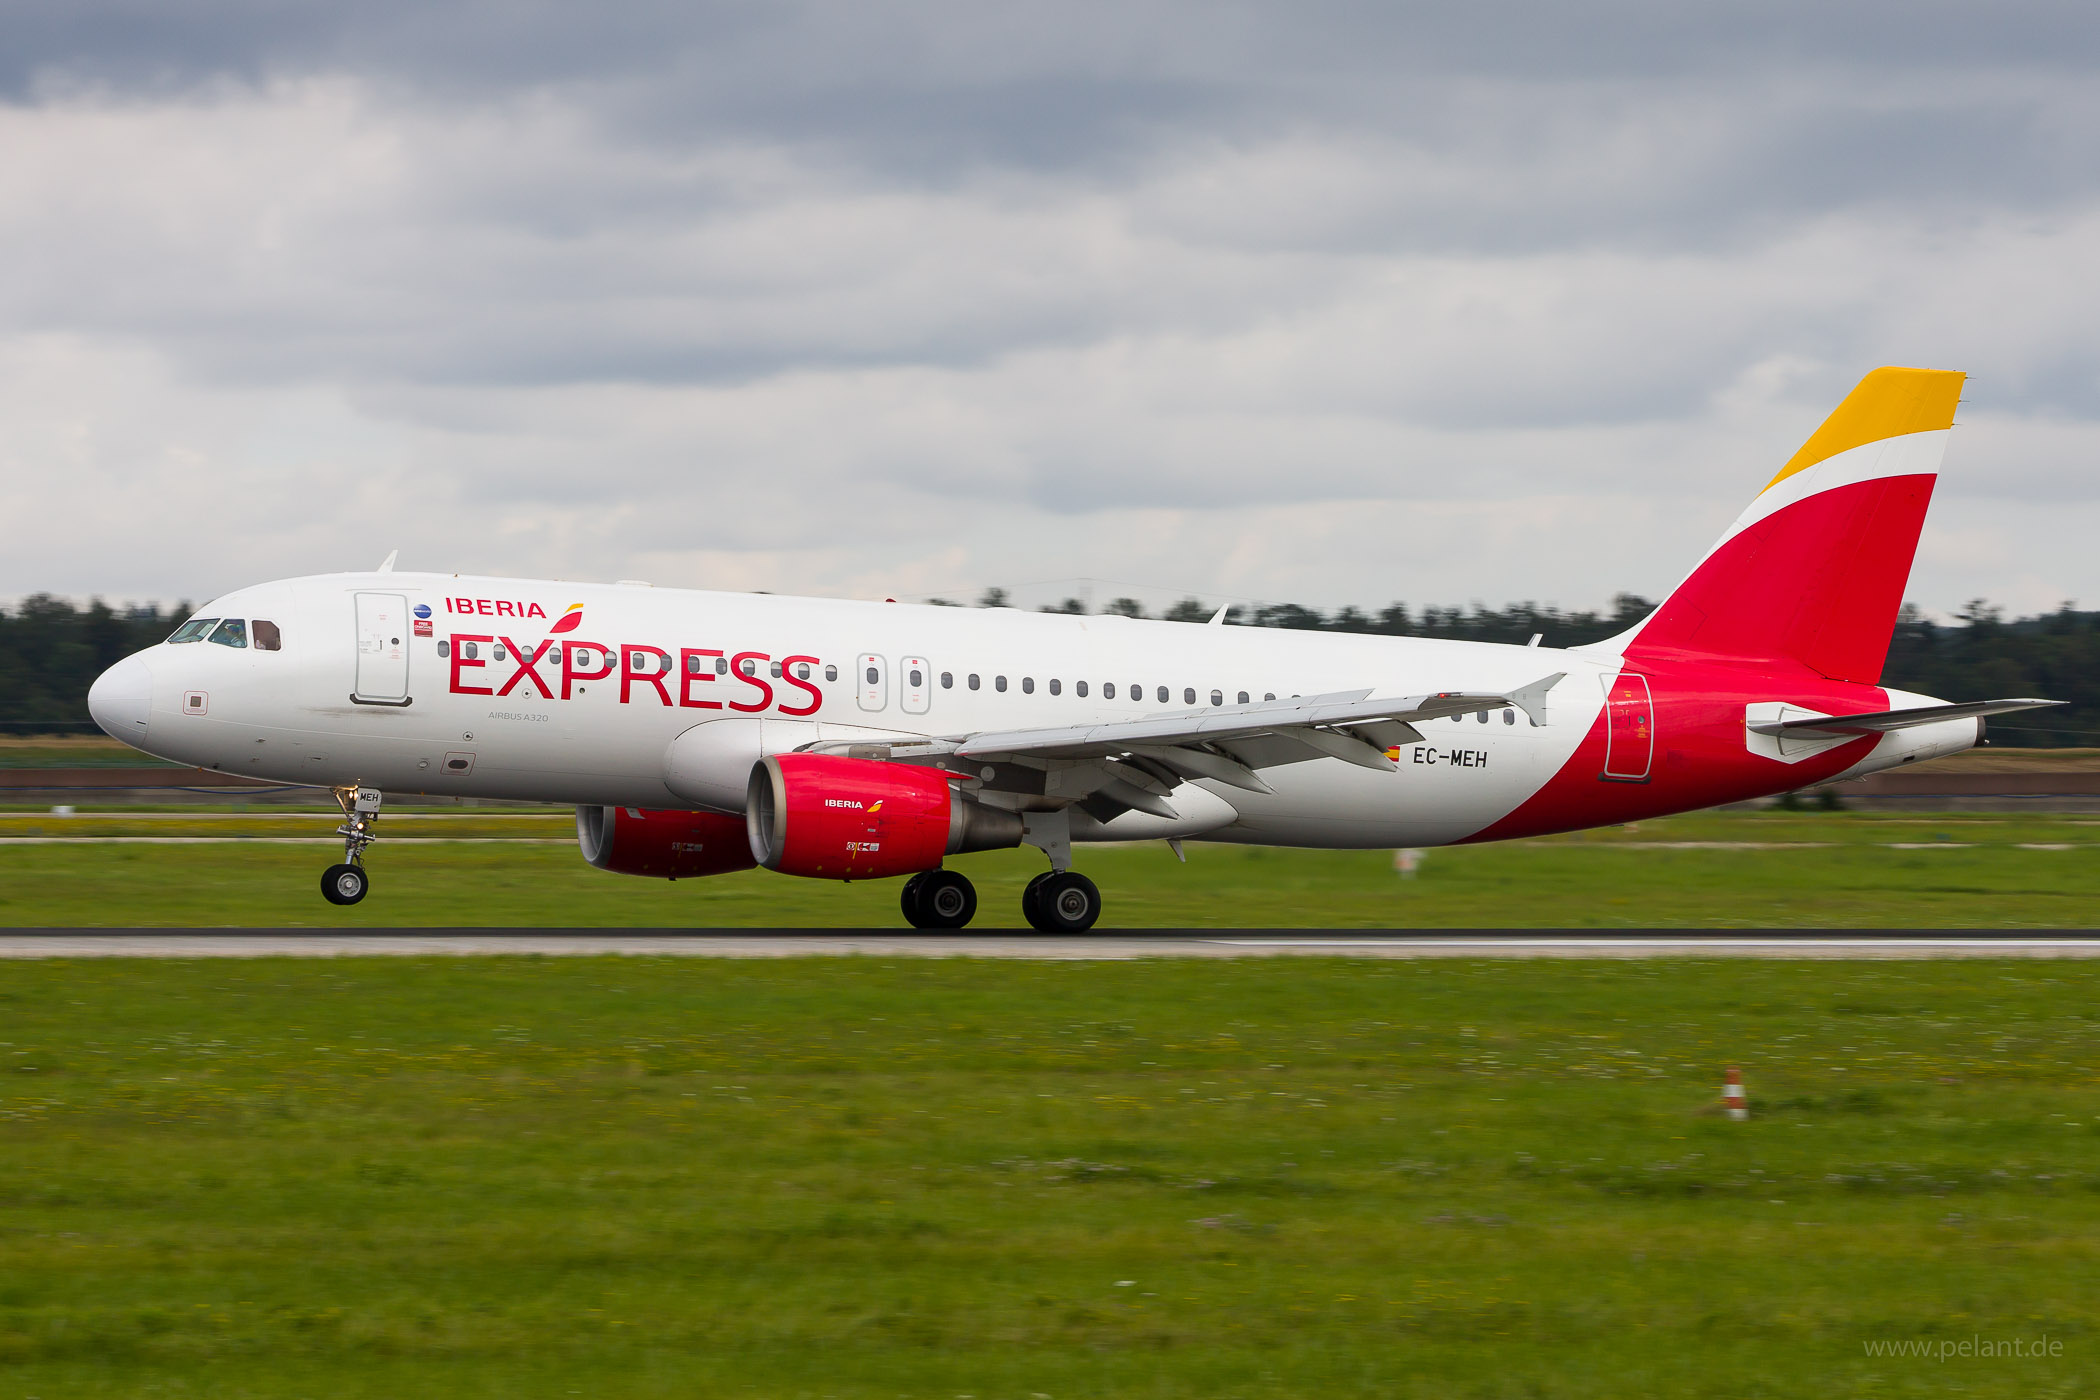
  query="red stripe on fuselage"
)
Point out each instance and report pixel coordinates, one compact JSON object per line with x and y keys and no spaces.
{"x":1701,"y":758}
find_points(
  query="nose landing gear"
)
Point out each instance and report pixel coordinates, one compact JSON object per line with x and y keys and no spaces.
{"x":347,"y":882}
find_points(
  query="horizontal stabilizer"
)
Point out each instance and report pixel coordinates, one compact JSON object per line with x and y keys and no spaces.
{"x":1883,"y":721}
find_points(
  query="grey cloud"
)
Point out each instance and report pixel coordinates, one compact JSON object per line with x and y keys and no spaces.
{"x":1241,"y":292}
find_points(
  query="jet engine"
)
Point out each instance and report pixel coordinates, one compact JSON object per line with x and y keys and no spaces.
{"x":662,"y":845}
{"x":859,"y":819}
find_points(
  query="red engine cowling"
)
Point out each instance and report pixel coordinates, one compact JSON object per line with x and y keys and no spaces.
{"x":663,"y":845}
{"x":858,"y":819}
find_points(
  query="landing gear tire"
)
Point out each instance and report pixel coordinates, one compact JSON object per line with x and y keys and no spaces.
{"x":939,"y":899}
{"x":1028,"y":898}
{"x":1067,"y":903}
{"x":344,"y":884}
{"x":908,"y":899}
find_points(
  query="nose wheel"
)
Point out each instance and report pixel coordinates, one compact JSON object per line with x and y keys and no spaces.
{"x":346,"y":883}
{"x":938,"y":899}
{"x":1061,"y":902}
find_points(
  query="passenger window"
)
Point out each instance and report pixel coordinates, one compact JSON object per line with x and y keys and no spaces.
{"x":231,"y":633}
{"x":874,"y":676}
{"x":915,"y":678}
{"x":973,"y":680}
{"x":1079,"y":689}
{"x":947,"y":680}
{"x":1188,"y":695}
{"x":802,"y":670}
{"x":1108,"y":690}
{"x":722,"y":665}
{"x":1054,"y":688}
{"x":1509,"y":716}
{"x":1268,"y":695}
{"x":1162,"y":695}
{"x":1243,"y":697}
{"x":469,"y":650}
{"x":1482,"y":716}
{"x":445,"y":649}
{"x":776,"y":670}
{"x":1028,"y":685}
{"x":1217,"y":697}
{"x":499,"y":653}
{"x":831,"y":673}
{"x":267,"y":637}
{"x":999,"y":684}
{"x":194,"y":630}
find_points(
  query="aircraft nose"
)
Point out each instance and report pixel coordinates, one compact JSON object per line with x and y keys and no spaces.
{"x":121,"y":700}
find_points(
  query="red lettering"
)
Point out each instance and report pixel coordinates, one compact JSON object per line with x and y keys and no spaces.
{"x":787,"y":672}
{"x":484,"y":607}
{"x":534,"y":611}
{"x":506,"y":608}
{"x":572,"y":657}
{"x":653,"y":676}
{"x":759,"y":683}
{"x":527,"y":666}
{"x":461,"y":660}
{"x":707,"y":673}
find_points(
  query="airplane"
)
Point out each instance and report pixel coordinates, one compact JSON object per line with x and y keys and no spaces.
{"x":698,"y":733}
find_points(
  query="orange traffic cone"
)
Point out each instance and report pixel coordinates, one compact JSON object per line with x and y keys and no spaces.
{"x":1732,"y":1096}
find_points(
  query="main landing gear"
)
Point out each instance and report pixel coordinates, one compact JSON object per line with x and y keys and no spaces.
{"x":939,"y":899}
{"x":1061,"y":901}
{"x":347,"y":883}
{"x":1056,"y":901}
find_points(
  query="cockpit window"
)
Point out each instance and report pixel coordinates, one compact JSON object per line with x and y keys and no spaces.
{"x":267,"y":637}
{"x":231,"y":633}
{"x":194,"y":630}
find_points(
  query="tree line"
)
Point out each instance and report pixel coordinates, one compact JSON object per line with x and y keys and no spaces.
{"x":51,"y":651}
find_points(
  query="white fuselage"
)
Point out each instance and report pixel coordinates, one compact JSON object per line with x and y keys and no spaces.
{"x":291,"y":715}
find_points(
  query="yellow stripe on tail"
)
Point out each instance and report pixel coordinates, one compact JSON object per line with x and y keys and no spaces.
{"x":1889,"y":402}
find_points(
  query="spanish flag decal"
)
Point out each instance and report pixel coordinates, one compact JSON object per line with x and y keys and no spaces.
{"x":570,"y":620}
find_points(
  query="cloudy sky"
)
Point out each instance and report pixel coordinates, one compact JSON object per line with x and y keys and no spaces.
{"x":1329,"y":302}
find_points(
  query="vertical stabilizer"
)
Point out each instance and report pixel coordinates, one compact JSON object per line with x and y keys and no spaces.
{"x":1814,"y":571}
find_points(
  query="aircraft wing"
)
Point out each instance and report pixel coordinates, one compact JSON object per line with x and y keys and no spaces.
{"x":1136,"y":762}
{"x":1881,"y":721}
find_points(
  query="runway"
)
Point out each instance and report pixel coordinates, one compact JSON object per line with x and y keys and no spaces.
{"x":1104,"y":947}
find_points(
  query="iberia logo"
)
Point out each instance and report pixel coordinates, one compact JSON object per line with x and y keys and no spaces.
{"x":570,"y":620}
{"x":874,"y":807}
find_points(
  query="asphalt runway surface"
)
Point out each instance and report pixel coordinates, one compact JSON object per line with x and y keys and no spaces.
{"x":1102,"y":947}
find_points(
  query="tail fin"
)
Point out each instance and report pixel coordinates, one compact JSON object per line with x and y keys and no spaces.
{"x":1814,"y":571}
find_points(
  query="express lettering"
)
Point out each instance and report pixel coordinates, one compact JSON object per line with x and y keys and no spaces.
{"x":644,"y":672}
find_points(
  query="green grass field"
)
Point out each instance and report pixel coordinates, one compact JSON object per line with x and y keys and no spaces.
{"x":1727,"y":869}
{"x":861,"y":1178}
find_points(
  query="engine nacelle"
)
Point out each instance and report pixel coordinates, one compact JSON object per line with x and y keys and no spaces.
{"x":662,"y":845}
{"x":859,"y":819}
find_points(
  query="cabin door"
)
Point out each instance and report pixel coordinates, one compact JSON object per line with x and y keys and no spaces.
{"x":382,"y":649}
{"x":1629,"y":729}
